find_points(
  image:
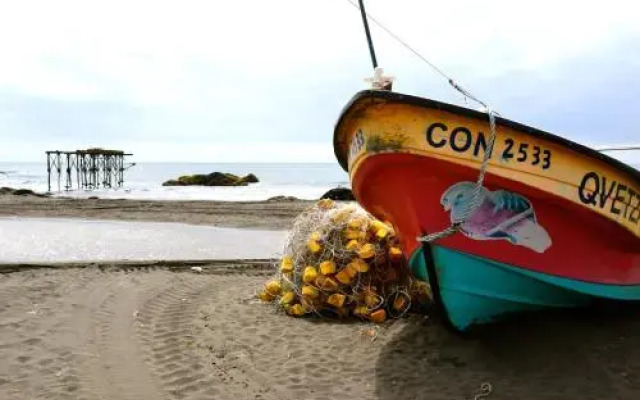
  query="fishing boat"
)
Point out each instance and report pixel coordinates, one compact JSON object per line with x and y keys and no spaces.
{"x":497,"y":216}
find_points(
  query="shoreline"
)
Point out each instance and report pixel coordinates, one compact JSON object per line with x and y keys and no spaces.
{"x":269,"y":214}
{"x":206,"y":267}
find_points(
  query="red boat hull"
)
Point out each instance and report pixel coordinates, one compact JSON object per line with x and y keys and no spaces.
{"x":406,"y":189}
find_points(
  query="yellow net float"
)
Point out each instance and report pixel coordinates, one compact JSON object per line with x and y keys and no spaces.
{"x":361,"y":311}
{"x":273,"y":288}
{"x":372,"y":300}
{"x":382,"y":233}
{"x":351,"y":234}
{"x":353,"y":245}
{"x":297,"y":310}
{"x":264,"y":296}
{"x":326,"y":204}
{"x":358,"y":223}
{"x":327,"y":267}
{"x":326,"y":283}
{"x":336,"y":300}
{"x":310,"y":274}
{"x":368,"y":250}
{"x":359,"y":265}
{"x":286,"y":265}
{"x":378,"y":316}
{"x":343,"y":277}
{"x":309,"y":292}
{"x":314,"y":246}
{"x":288,"y":298}
{"x":395,"y":253}
{"x":377,"y":225}
{"x":351,"y":271}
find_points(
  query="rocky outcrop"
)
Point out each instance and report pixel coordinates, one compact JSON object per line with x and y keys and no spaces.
{"x":20,"y":192}
{"x":212,"y":179}
{"x":251,"y":178}
{"x":282,"y":199}
{"x":340,"y":194}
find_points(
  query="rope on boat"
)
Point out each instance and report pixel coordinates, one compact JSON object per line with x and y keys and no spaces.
{"x":619,"y":148}
{"x":476,"y":199}
{"x":485,"y":390}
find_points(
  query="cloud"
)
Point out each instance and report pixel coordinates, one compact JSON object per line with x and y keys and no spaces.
{"x":203,"y":80}
{"x":33,"y":118}
{"x":590,"y":98}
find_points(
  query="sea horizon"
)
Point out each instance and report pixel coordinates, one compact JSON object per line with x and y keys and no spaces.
{"x":307,"y":181}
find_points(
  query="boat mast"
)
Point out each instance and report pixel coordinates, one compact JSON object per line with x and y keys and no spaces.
{"x":366,"y":30}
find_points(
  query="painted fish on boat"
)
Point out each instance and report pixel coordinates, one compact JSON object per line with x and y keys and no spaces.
{"x":500,"y":215}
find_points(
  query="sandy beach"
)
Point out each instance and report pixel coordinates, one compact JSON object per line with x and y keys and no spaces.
{"x":275,"y":214}
{"x":162,"y":331}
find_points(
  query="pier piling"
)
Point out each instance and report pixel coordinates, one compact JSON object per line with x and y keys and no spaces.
{"x":94,"y":168}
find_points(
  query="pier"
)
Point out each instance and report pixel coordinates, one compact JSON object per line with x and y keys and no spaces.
{"x":92,"y":168}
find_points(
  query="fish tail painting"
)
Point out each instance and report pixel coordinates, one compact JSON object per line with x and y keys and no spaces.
{"x":500,"y":215}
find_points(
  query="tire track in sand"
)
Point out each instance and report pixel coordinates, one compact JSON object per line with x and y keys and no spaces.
{"x":166,"y":329}
{"x":93,"y":335}
{"x":117,"y":335}
{"x":113,"y":359}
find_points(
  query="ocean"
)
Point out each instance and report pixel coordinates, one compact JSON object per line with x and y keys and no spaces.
{"x":144,"y":181}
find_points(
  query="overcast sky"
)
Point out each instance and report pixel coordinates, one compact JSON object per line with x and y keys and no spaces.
{"x":256,"y":80}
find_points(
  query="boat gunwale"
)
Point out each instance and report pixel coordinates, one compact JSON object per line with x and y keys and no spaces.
{"x":478,"y":115}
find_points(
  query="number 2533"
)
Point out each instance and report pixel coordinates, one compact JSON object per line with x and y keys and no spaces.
{"x":524,"y":153}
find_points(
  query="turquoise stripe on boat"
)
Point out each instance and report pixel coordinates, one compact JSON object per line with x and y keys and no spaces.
{"x":477,"y":290}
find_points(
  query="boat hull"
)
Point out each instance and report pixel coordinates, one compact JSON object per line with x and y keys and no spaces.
{"x":557,"y":223}
{"x":476,"y":290}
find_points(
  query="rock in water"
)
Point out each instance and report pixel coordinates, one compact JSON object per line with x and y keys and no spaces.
{"x":23,"y":192}
{"x":340,"y":193}
{"x":221,"y":179}
{"x":212,"y":179}
{"x":173,"y":182}
{"x":251,"y":178}
{"x":20,"y":192}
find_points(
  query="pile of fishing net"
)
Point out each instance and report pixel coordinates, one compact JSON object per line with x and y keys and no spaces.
{"x":340,"y":261}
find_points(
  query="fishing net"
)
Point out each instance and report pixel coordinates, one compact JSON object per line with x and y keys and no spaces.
{"x":340,"y":261}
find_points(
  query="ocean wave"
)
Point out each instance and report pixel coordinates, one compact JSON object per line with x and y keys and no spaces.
{"x":145,"y":181}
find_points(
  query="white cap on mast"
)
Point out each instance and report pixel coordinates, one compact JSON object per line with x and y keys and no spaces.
{"x":379,"y":81}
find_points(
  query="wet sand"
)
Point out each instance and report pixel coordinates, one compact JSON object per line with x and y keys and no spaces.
{"x":34,"y":239}
{"x":162,"y":331}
